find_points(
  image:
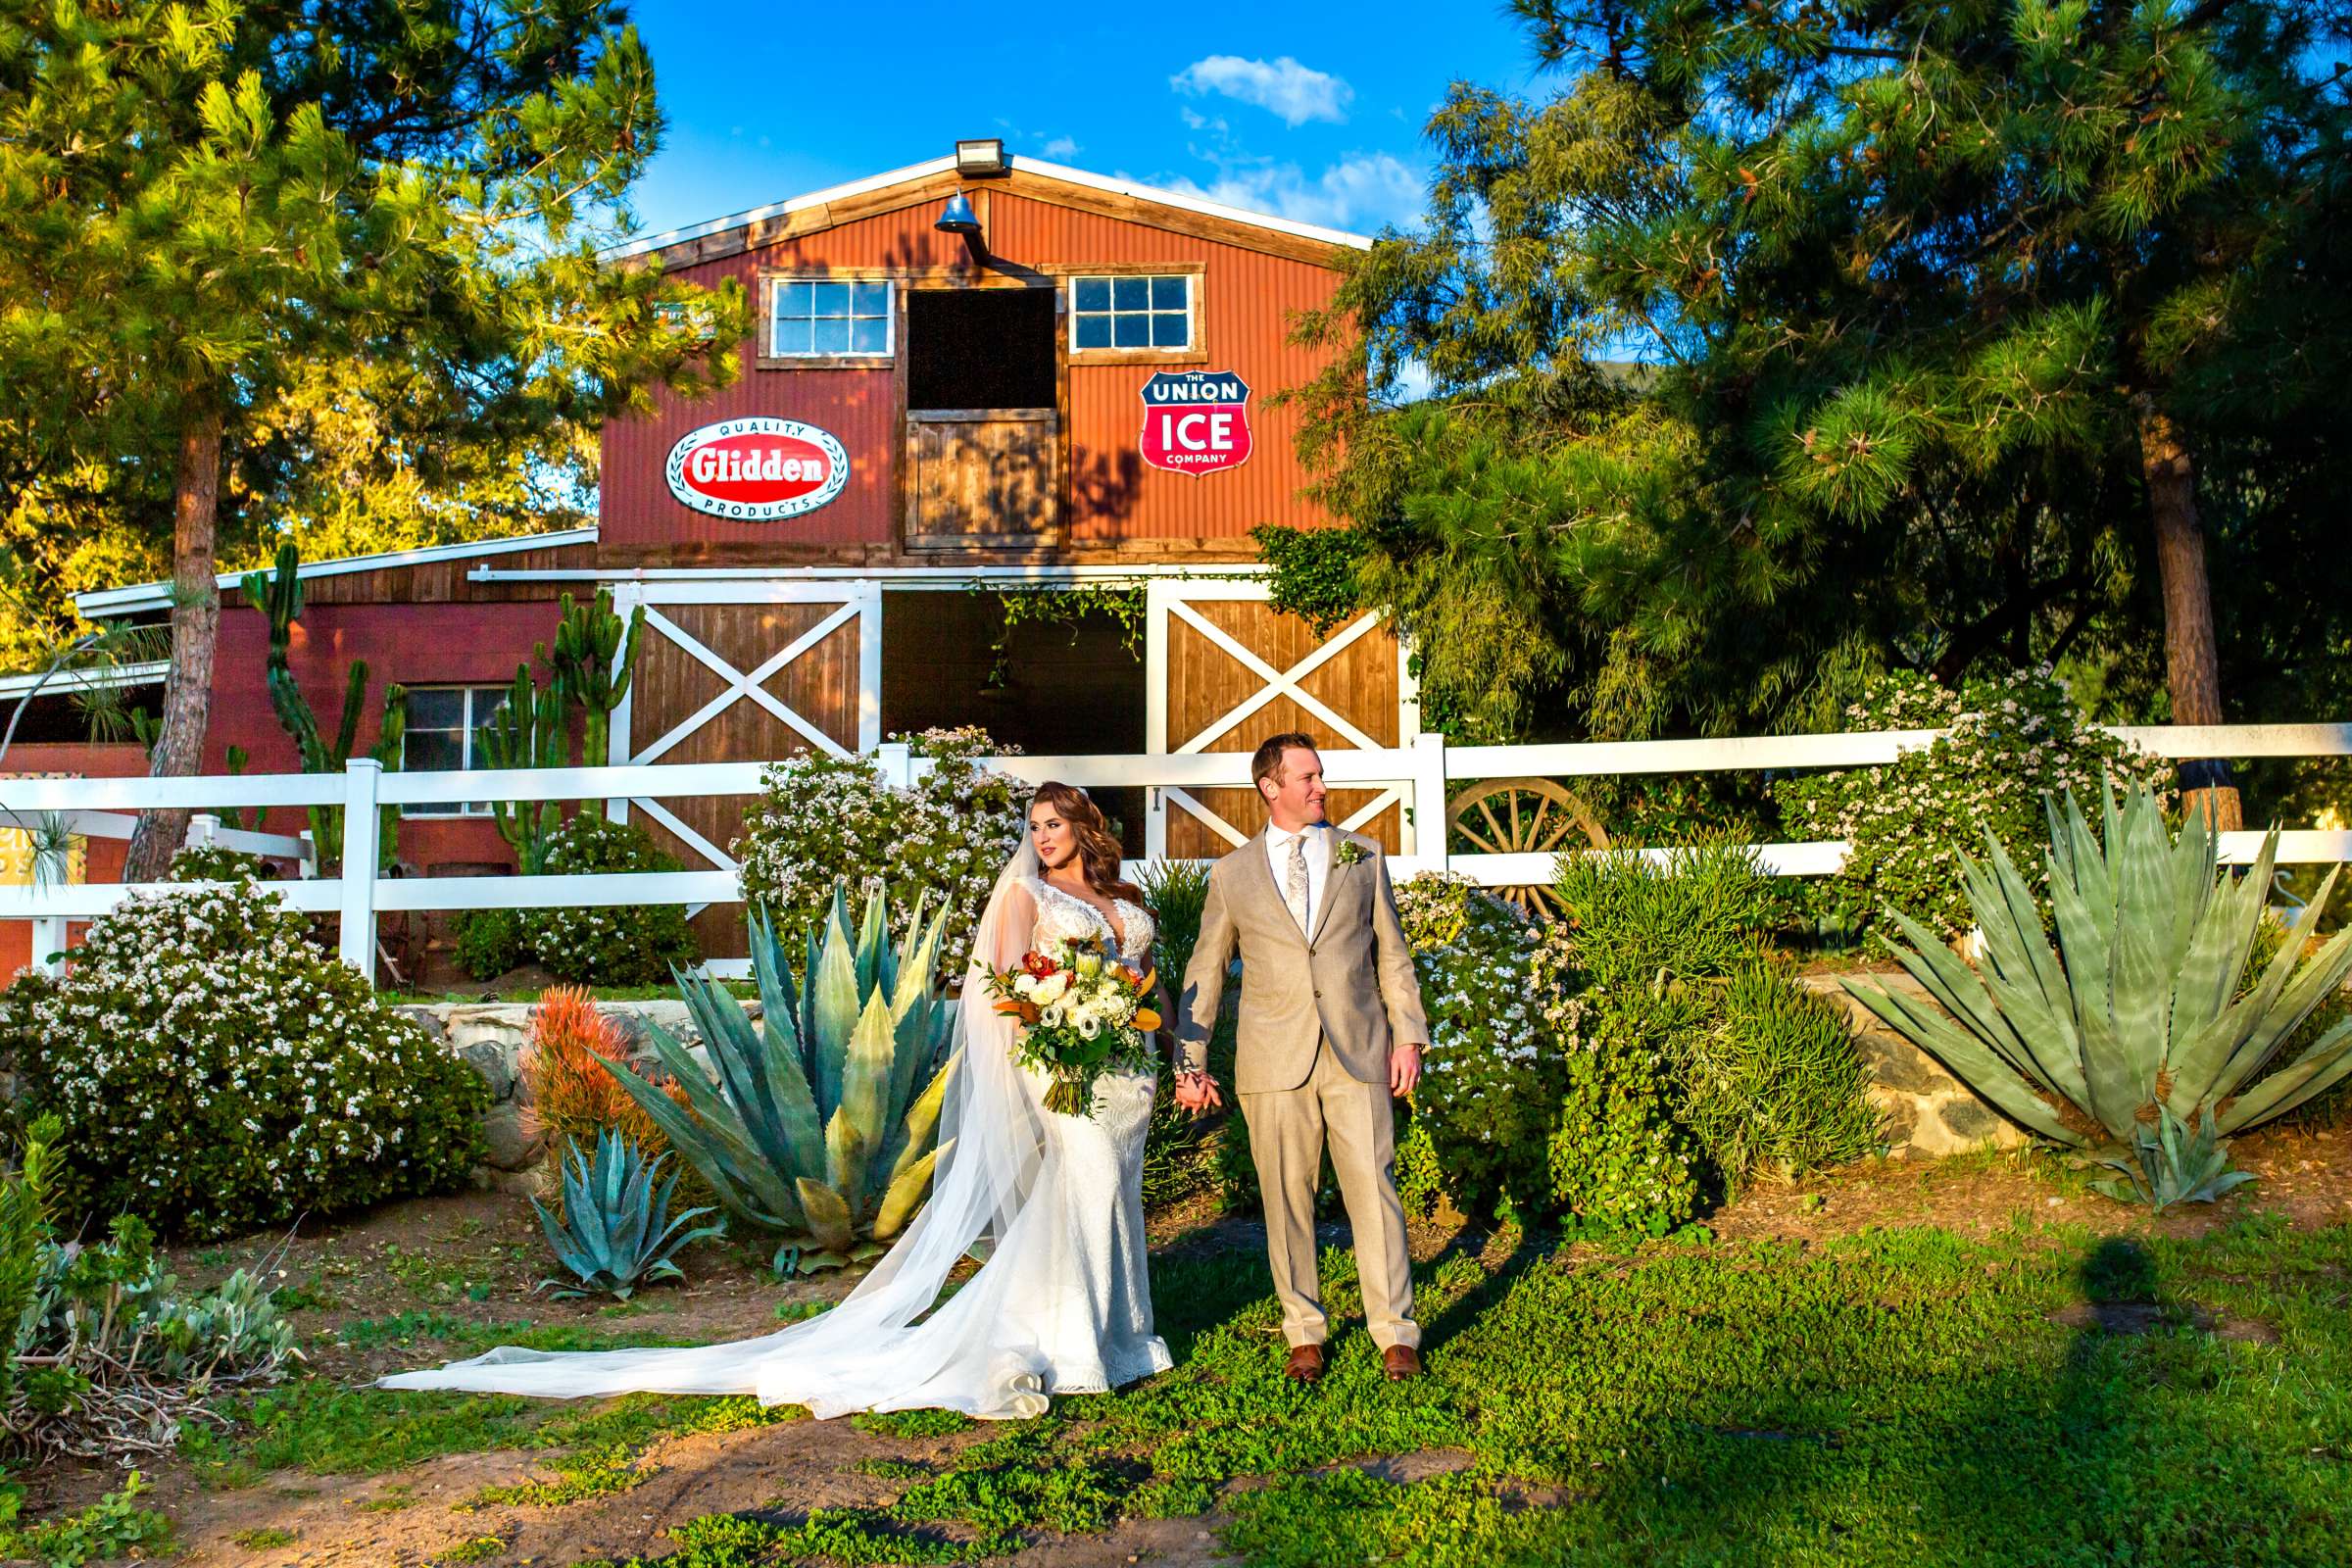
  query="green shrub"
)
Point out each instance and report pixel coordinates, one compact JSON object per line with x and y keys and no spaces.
{"x":490,"y":942}
{"x":1773,"y":1083}
{"x":2014,"y":739}
{"x":623,"y":945}
{"x":114,"y":1525}
{"x":821,"y":822}
{"x":214,"y":864}
{"x":1175,"y":1163}
{"x":215,"y":1071}
{"x":1689,"y":1026}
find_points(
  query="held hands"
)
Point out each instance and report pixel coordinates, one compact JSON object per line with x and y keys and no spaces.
{"x":1197,"y":1092}
{"x":1404,"y":1070}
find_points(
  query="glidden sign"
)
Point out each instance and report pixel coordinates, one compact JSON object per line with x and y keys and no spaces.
{"x":756,"y":470}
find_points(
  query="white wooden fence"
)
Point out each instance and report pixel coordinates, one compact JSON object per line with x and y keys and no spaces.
{"x":1420,"y":776}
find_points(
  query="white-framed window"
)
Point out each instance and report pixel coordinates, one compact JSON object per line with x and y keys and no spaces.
{"x":445,"y":736}
{"x":1136,"y":312}
{"x":809,"y":318}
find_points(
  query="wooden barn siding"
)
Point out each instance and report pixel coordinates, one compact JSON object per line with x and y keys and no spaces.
{"x":1116,"y":502}
{"x":672,"y":685}
{"x":104,"y":864}
{"x":416,"y":644}
{"x":1205,"y":682}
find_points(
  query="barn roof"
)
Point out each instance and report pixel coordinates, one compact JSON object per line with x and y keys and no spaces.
{"x":96,"y":604}
{"x":859,"y":198}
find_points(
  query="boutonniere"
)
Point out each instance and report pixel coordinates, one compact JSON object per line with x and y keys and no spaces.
{"x":1348,"y":854}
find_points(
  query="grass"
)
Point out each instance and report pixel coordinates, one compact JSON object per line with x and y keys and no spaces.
{"x":1898,"y":1396}
{"x":1895,"y":1396}
{"x":263,"y":1539}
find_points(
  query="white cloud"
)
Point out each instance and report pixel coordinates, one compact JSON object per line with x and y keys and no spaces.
{"x":1283,"y":86}
{"x":1361,"y":191}
{"x":1060,"y":147}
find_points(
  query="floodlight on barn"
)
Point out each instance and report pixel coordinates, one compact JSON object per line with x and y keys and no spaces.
{"x":975,"y":159}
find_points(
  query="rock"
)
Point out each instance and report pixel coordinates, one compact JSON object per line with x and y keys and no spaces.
{"x":498,"y":1062}
{"x":1897,"y":1064}
{"x":1972,"y":1120}
{"x":1898,"y":1115}
{"x":514,"y":1145}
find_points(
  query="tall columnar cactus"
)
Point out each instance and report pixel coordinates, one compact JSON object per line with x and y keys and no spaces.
{"x":528,"y":730}
{"x":594,"y":658}
{"x":277,"y":594}
{"x":2149,"y":1043}
{"x":820,"y":1121}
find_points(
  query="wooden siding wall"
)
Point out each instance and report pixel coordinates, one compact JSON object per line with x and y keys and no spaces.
{"x":1205,"y":682}
{"x":1115,"y":506}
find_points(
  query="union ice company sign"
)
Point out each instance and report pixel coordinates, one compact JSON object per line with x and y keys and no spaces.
{"x":756,"y":470}
{"x":1196,"y":422}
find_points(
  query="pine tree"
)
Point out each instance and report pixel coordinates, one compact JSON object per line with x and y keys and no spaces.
{"x":199,"y":203}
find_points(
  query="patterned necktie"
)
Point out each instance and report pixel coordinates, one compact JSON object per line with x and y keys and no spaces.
{"x":1293,"y":884}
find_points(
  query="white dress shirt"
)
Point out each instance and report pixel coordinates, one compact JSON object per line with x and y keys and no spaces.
{"x":1318,"y":863}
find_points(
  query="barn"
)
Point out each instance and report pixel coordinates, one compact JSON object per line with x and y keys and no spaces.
{"x":975,"y":378}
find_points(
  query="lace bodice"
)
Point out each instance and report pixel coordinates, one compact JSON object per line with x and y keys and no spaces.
{"x":1063,"y":916}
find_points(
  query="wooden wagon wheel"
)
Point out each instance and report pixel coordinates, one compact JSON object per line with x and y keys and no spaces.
{"x":1523,"y":817}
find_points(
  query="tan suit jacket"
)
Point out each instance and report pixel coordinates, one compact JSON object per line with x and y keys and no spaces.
{"x":1351,"y":983}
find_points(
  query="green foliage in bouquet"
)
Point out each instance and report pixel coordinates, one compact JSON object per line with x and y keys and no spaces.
{"x":2132,"y":1040}
{"x":616,"y":1232}
{"x":820,"y":1121}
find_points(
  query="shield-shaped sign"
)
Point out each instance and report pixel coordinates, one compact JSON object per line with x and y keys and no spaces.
{"x":1196,"y":422}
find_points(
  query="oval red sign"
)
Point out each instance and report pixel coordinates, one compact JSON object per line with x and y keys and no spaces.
{"x":758,"y":470}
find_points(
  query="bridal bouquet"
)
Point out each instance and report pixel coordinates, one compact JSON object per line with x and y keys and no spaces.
{"x":1082,"y":1016}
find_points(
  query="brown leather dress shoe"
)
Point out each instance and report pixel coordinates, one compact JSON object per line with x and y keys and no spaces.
{"x":1400,"y":1361}
{"x":1306,"y":1364}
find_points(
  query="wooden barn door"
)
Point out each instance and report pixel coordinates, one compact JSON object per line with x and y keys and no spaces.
{"x":742,"y":672}
{"x":1228,"y":670}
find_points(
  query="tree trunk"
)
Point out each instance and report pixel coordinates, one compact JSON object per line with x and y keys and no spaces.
{"x":2192,"y":667}
{"x":195,"y":635}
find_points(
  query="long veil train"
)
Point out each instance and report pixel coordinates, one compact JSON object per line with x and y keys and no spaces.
{"x":876,"y":1349}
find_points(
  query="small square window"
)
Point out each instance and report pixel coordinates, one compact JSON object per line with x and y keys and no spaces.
{"x":445,"y":736}
{"x":821,"y":317}
{"x":1134,"y":312}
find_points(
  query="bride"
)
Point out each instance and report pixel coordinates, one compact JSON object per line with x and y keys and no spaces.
{"x":1064,"y":1303}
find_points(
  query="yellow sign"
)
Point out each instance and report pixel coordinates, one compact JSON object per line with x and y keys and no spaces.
{"x":19,"y":844}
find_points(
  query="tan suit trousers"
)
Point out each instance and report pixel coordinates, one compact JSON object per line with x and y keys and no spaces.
{"x":1288,"y":1130}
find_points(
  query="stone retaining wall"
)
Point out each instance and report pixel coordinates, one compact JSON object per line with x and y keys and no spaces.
{"x":1929,"y":1113}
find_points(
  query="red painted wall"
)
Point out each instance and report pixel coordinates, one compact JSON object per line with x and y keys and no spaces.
{"x":1248,"y":300}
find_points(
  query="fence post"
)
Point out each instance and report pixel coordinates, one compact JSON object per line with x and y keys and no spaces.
{"x":52,"y":868}
{"x":203,"y":827}
{"x":1429,"y":799}
{"x":895,"y":759}
{"x":362,"y":777}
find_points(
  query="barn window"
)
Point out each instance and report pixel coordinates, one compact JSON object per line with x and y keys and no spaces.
{"x":809,"y":318}
{"x":445,"y":736}
{"x":1132,"y":313}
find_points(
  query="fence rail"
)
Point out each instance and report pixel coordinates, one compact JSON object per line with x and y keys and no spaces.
{"x":1421,"y":776}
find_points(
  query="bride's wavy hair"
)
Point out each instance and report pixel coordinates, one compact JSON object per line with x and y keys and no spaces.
{"x":1098,"y":851}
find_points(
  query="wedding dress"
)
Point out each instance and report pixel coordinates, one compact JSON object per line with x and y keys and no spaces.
{"x":1062,"y":1304}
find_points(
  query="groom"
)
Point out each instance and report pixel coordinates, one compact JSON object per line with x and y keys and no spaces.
{"x":1331,"y":1029}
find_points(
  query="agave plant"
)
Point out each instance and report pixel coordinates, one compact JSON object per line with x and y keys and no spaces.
{"x":2137,"y":1046}
{"x":617,"y":1233}
{"x":818,"y":1121}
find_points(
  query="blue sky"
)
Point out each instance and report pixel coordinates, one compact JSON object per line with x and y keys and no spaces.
{"x":1311,"y":110}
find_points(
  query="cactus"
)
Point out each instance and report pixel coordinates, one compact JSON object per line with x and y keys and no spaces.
{"x":528,"y":730}
{"x":822,"y":1118}
{"x":594,"y":659}
{"x":616,"y":1233}
{"x":2138,"y":1048}
{"x":277,"y":594}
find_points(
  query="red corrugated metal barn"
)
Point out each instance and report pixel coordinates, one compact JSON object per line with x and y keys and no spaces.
{"x":1068,"y":385}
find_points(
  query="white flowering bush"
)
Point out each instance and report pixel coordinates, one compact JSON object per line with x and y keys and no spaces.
{"x":621,"y":945}
{"x":213,"y":1071}
{"x":820,"y":821}
{"x":2014,"y":738}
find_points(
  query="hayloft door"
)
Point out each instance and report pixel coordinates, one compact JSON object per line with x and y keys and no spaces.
{"x":1227,"y":670}
{"x":984,"y":399}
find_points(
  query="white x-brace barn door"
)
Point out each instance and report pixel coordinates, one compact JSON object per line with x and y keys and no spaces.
{"x":1226,"y":669}
{"x":739,"y":671}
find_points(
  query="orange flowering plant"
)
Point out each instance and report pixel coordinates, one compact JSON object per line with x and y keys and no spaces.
{"x":1082,"y":1014}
